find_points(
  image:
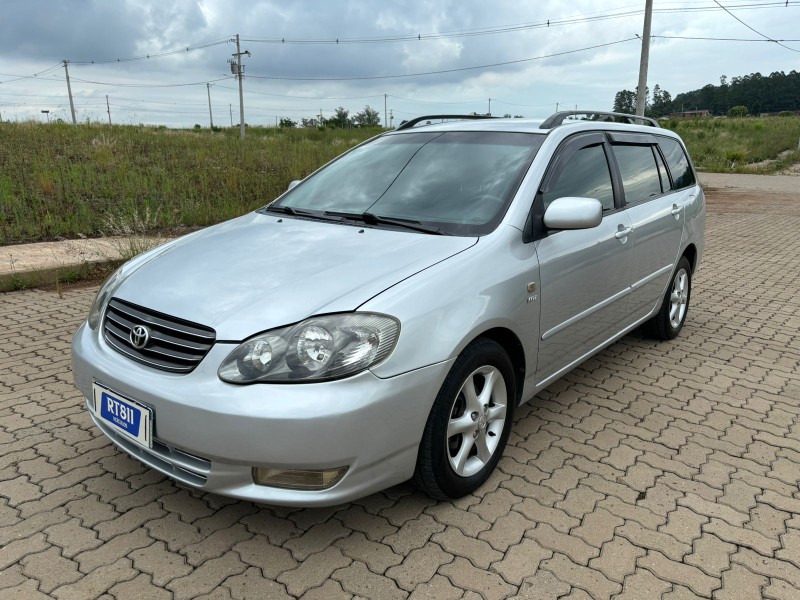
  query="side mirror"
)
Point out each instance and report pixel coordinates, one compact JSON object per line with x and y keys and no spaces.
{"x":294,"y":184}
{"x":573,"y":213}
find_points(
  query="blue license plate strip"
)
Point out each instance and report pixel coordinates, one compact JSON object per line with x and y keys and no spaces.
{"x":126,"y":416}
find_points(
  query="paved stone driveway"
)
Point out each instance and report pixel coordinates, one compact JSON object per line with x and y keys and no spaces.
{"x":654,"y":471}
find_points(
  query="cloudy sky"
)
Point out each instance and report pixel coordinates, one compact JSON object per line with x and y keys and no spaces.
{"x":422,"y":54}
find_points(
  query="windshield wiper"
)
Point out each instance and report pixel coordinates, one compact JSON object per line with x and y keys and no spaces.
{"x":373,"y":219}
{"x":288,"y":210}
{"x":301,"y":212}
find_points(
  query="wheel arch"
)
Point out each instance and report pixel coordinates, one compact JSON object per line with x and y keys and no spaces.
{"x":516,"y":352}
{"x":691,"y":255}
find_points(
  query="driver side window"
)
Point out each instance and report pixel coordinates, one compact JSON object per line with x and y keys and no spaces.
{"x":586,"y":175}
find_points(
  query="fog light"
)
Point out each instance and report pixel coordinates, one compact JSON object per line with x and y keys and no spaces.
{"x":298,"y":479}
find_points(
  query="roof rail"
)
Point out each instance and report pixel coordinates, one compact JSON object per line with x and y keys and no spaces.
{"x":415,"y":120}
{"x":558,"y":118}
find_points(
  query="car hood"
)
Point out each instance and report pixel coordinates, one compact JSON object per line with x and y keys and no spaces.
{"x":260,"y":271}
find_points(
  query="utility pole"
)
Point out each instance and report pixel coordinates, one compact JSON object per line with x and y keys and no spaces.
{"x":69,"y":91}
{"x":385,"y":116}
{"x":641,"y":94}
{"x":556,"y":106}
{"x":230,"y":109}
{"x":210,"y":116}
{"x":237,"y":68}
{"x":490,"y":107}
{"x":108,"y":110}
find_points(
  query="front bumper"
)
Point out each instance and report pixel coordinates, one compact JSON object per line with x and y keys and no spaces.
{"x":210,"y":434}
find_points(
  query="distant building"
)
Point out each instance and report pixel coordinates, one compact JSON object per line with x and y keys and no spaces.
{"x":691,"y":114}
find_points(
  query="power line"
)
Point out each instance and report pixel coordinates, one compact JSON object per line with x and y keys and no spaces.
{"x":436,"y":101}
{"x":498,"y":29}
{"x":716,"y":39}
{"x":444,"y":71}
{"x":304,"y":97}
{"x":148,"y":85}
{"x":149,"y":56}
{"x":50,"y":69}
{"x":755,"y":30}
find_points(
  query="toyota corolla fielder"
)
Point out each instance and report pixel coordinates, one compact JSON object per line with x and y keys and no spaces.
{"x":381,"y":320}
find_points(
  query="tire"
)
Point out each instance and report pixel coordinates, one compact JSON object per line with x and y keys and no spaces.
{"x":669,"y":320}
{"x":466,"y":433}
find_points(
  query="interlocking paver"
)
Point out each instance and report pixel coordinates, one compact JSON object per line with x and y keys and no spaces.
{"x":679,"y":573}
{"x":652,"y":470}
{"x":521,"y":560}
{"x":466,"y":576}
{"x":98,"y":581}
{"x":313,"y":571}
{"x":419,"y":566}
{"x":359,"y":580}
{"x":642,"y":584}
{"x":272,"y":560}
{"x":543,"y":585}
{"x":617,"y":559}
{"x":161,"y":564}
{"x":207,"y":576}
{"x":246,"y":584}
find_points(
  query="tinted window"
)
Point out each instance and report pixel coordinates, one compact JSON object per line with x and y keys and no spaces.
{"x":461,"y":181}
{"x":637,"y":167}
{"x":585,"y":175}
{"x":682,"y":175}
{"x":662,"y":170}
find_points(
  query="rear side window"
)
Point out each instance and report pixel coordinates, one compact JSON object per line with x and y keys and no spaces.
{"x":640,"y":178}
{"x":585,"y":175}
{"x":679,"y":167}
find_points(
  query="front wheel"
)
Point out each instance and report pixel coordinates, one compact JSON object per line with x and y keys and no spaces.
{"x":669,"y":320}
{"x":469,"y":423}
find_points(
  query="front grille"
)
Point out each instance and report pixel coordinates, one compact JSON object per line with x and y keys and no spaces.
{"x":175,"y":345}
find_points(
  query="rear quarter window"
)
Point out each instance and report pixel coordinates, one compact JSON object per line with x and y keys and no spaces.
{"x":678,"y":163}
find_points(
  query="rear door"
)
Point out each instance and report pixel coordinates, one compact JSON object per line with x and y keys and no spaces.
{"x":656,"y":215}
{"x":584,"y":274}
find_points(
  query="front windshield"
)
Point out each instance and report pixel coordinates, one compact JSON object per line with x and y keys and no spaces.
{"x":459,"y":181}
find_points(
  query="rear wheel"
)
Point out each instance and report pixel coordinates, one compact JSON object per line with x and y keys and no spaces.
{"x":469,"y":423}
{"x":669,"y":320}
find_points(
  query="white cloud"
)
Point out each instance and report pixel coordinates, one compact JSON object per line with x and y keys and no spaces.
{"x":33,"y":37}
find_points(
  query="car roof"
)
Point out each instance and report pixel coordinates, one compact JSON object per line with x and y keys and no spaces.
{"x":534,"y":126}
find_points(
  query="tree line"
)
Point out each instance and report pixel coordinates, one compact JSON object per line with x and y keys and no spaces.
{"x":755,"y":93}
{"x":341,"y":119}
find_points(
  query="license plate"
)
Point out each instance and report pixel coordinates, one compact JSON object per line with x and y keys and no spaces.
{"x":125,"y":416}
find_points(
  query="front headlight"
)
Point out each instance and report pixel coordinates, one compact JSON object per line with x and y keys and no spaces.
{"x":103,"y":295}
{"x":317,"y":349}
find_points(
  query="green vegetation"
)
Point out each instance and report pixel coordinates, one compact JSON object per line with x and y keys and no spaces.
{"x":734,"y":145}
{"x":58,"y":180}
{"x":777,"y":93}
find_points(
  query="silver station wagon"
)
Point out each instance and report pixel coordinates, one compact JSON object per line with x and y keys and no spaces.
{"x":381,"y":320}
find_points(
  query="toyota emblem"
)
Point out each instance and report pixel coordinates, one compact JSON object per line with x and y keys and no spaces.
{"x":140,"y":335}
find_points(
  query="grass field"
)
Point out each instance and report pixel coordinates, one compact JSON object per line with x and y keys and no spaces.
{"x":60,"y":181}
{"x":734,"y":145}
{"x":63,"y":181}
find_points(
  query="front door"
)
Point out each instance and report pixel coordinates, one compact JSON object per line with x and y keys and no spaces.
{"x":585,"y":274}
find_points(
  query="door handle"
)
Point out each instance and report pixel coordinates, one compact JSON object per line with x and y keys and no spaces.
{"x":623,"y":233}
{"x":677,"y":210}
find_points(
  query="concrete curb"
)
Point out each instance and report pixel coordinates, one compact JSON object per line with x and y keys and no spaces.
{"x":47,"y":263}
